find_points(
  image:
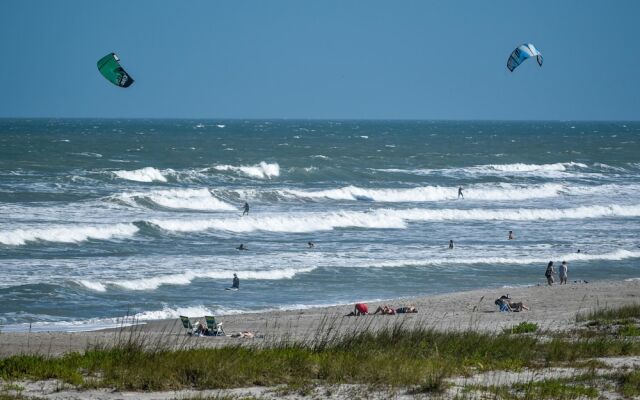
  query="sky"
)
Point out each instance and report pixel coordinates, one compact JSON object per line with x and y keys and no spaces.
{"x":330,"y":59}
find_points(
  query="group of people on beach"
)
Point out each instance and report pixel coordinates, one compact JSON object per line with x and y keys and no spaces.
{"x":563,"y":273}
{"x":363,"y":309}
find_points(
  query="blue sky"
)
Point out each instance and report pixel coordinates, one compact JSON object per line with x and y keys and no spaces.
{"x":322,"y":59}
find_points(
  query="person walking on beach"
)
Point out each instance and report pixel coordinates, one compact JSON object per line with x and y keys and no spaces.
{"x":511,"y":237}
{"x":563,"y":272}
{"x":245,"y":209}
{"x":450,"y":244}
{"x":460,"y":192}
{"x":549,"y":273}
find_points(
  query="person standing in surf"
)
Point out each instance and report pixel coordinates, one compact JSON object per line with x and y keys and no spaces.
{"x":245,"y":209}
{"x":236,"y":282}
{"x":450,"y":244}
{"x":460,"y":192}
{"x":511,"y":237}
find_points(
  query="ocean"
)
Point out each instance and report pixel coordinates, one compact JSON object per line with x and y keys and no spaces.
{"x":102,"y":219}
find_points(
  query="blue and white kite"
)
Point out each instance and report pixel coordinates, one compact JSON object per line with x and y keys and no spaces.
{"x":521,"y":53}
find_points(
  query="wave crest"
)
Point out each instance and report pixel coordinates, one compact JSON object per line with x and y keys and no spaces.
{"x":67,"y":234}
{"x":263,"y":170}
{"x":147,"y":174}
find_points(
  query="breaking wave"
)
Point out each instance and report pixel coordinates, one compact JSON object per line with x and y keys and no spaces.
{"x":613,"y":256}
{"x":262,"y":170}
{"x":387,"y":218}
{"x":431,"y":193}
{"x":186,"y":199}
{"x":147,"y":174}
{"x":185,"y":278}
{"x":66,"y":234}
{"x":544,"y":170}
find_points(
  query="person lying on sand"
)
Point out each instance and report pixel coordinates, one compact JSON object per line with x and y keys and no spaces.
{"x":385,"y":310}
{"x":244,"y":334}
{"x":359,"y":309}
{"x":406,"y":310}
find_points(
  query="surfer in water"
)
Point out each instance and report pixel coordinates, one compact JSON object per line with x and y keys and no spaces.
{"x":236,"y":282}
{"x":245,"y":209}
{"x":311,"y":245}
{"x":242,"y":247}
{"x":460,"y":192}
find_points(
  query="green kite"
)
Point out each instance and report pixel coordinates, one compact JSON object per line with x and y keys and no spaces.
{"x":109,"y":67}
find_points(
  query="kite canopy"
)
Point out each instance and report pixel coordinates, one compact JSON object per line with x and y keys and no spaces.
{"x":521,"y":53}
{"x":110,"y":68}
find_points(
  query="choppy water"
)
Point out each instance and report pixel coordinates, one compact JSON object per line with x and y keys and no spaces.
{"x":104,"y":218}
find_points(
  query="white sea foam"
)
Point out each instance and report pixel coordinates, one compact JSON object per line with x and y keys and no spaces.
{"x":262,"y":170}
{"x":96,"y":286}
{"x":185,"y":278}
{"x":431,"y":193}
{"x":388,"y":218}
{"x":147,"y":174}
{"x":613,"y":256}
{"x":187,"y":199}
{"x":545,"y":170}
{"x":297,"y":223}
{"x":67,"y":233}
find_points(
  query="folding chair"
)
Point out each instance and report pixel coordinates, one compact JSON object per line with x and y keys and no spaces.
{"x":186,"y":323}
{"x":214,"y":327}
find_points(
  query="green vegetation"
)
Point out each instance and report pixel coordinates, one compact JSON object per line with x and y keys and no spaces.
{"x":561,"y":389}
{"x":630,"y":384}
{"x":418,"y":359}
{"x":522,"y":327}
{"x":608,"y":315}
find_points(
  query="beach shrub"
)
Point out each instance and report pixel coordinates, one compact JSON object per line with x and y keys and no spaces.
{"x":630,"y":311}
{"x":522,"y":327}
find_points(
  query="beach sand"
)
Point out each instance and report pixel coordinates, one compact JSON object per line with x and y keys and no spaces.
{"x":553,"y":308}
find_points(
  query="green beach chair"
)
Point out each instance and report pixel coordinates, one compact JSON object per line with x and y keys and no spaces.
{"x":186,"y":323}
{"x":214,"y":327}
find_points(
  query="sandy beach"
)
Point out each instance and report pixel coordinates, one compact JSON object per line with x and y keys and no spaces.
{"x":552,"y":308}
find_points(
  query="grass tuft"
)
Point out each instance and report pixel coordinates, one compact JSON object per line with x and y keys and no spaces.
{"x":522,"y":327}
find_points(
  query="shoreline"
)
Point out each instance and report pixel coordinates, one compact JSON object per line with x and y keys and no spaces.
{"x":552,"y":308}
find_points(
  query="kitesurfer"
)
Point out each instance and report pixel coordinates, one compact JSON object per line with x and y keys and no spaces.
{"x":241,"y":247}
{"x":450,"y":244}
{"x":511,"y":237}
{"x":460,"y":192}
{"x":245,"y":209}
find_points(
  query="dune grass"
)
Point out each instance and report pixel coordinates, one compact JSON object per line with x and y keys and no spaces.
{"x":608,"y":315}
{"x":417,"y":358}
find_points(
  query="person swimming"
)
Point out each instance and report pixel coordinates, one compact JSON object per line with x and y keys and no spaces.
{"x":460,"y":192}
{"x":245,"y":209}
{"x":242,"y":247}
{"x":236,"y":282}
{"x":450,"y":244}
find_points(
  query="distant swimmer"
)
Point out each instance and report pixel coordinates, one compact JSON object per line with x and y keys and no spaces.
{"x":236,"y":282}
{"x":578,"y":250}
{"x":450,"y":244}
{"x":242,"y":247}
{"x":311,"y":245}
{"x":245,"y":209}
{"x":460,"y":192}
{"x":511,"y":237}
